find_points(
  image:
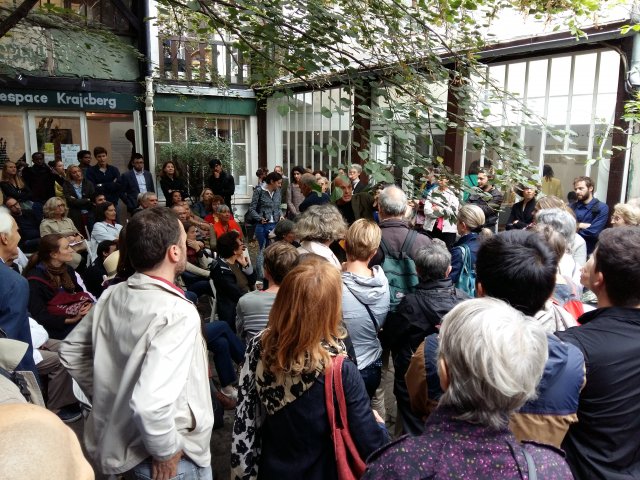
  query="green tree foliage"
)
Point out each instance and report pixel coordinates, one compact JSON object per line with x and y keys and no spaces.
{"x":395,"y":59}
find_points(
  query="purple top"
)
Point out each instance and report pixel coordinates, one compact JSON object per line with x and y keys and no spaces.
{"x":454,"y":449}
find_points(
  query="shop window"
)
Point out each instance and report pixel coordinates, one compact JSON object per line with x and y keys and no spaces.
{"x":12,"y":145}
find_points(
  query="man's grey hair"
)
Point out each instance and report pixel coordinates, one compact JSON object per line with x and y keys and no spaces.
{"x":320,"y":223}
{"x":560,"y":220}
{"x":433,"y":261}
{"x":494,"y":357}
{"x":144,"y":197}
{"x":6,"y":221}
{"x":392,"y":202}
{"x":308,"y":179}
{"x":357,"y":167}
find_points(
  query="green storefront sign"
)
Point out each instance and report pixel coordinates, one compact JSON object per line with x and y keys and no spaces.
{"x":67,"y":100}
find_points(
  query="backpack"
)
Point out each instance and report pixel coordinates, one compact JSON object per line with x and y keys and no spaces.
{"x":400,"y":270}
{"x":467,"y":279}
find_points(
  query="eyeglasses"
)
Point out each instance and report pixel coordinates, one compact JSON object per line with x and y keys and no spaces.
{"x":13,"y":205}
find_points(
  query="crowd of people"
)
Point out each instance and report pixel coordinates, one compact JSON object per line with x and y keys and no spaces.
{"x":512,"y":353}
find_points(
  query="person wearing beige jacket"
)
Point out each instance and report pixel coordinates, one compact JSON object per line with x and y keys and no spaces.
{"x":140,"y":357}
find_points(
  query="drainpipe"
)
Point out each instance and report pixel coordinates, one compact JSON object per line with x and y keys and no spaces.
{"x":149,"y":120}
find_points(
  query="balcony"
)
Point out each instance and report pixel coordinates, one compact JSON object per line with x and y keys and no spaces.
{"x":214,"y":62}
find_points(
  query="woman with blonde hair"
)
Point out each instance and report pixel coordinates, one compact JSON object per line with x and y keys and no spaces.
{"x":56,"y":221}
{"x":202,"y":208}
{"x":624,"y":215}
{"x":365,"y":299}
{"x":12,"y":184}
{"x":470,"y":221}
{"x":281,"y":428}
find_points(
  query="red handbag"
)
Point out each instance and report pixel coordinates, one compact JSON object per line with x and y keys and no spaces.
{"x":349,"y":463}
{"x":63,"y":303}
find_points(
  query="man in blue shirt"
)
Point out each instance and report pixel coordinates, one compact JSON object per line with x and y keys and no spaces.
{"x":591,"y":213}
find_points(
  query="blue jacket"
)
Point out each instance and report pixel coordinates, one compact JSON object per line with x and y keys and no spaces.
{"x":546,"y":418}
{"x":596,"y":213}
{"x":14,"y":318}
{"x":130,"y":188}
{"x":472,"y":241}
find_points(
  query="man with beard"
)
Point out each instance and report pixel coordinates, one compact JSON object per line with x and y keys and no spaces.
{"x":489,"y":199}
{"x":148,"y":382}
{"x":591,"y":213}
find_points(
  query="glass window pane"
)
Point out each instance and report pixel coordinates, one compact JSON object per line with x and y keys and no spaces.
{"x":12,"y":142}
{"x":239,"y":168}
{"x":224,"y":129}
{"x":566,"y":168}
{"x":584,"y":74}
{"x":161,"y":129}
{"x":177,"y":129}
{"x":581,"y":109}
{"x":238,"y":126}
{"x":54,"y":132}
{"x":560,"y":72}
{"x":537,"y":84}
{"x":609,"y":70}
{"x":557,"y":113}
{"x":605,"y":107}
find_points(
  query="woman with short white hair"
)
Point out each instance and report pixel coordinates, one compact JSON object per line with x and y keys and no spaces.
{"x":490,"y":361}
{"x":317,"y":228}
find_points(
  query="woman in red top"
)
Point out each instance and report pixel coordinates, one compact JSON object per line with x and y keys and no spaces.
{"x":225,"y":222}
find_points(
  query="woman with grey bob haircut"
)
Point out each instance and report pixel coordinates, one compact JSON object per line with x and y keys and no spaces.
{"x":317,"y":228}
{"x":490,"y":360}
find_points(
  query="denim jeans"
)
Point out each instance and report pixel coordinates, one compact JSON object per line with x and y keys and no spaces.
{"x":371,"y":375}
{"x":227,"y":348}
{"x":197,"y":284}
{"x":187,"y":470}
{"x":262,"y":235}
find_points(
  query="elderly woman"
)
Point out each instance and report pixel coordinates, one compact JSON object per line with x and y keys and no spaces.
{"x":56,"y":300}
{"x":317,"y":228}
{"x":365,"y":299}
{"x":281,"y":428}
{"x":576,"y":243}
{"x":225,"y":222}
{"x":563,"y":222}
{"x":78,"y":192}
{"x":56,"y":221}
{"x":625,"y":214}
{"x":490,"y":361}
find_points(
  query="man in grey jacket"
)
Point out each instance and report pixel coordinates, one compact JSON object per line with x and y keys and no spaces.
{"x":140,"y":357}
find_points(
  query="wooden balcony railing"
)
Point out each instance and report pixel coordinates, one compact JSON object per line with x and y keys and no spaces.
{"x":189,"y":60}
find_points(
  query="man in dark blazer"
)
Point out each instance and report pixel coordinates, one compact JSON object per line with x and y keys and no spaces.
{"x":134,"y":182}
{"x":14,"y":292}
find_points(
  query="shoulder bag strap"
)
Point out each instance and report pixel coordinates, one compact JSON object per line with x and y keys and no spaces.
{"x":328,"y":396}
{"x":408,"y":241}
{"x":532,"y":473}
{"x":371,"y":316}
{"x":383,"y":246}
{"x":41,"y":280}
{"x":337,"y":380}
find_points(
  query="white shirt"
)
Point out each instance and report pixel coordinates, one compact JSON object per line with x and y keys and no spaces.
{"x":142,"y":183}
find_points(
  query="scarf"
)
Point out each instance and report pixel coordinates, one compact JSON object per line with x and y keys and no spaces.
{"x":59,"y":277}
{"x":262,"y":393}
